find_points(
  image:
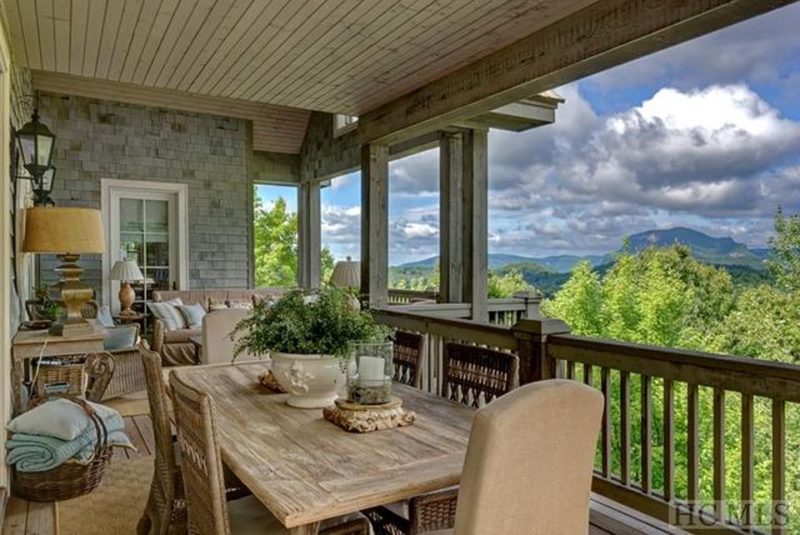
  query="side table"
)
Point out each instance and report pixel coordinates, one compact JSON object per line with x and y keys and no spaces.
{"x":29,"y":345}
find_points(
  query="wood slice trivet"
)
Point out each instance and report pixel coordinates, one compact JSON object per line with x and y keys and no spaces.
{"x":268,"y":381}
{"x":358,"y":418}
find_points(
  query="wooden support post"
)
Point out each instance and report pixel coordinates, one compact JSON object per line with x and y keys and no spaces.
{"x":531,"y":335}
{"x":375,"y":224}
{"x":309,"y":244}
{"x":451,"y":184}
{"x":475,"y":223}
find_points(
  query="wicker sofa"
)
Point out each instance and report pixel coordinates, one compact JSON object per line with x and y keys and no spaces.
{"x":176,"y":347}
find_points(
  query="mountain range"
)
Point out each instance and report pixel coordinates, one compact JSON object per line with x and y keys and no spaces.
{"x":723,"y":251}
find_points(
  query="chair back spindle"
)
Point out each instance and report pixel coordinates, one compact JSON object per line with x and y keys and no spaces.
{"x":475,"y":375}
{"x":409,"y":355}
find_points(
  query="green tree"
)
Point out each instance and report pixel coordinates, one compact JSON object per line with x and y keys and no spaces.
{"x":503,"y":286}
{"x":784,"y":259}
{"x":275,"y":246}
{"x":580,"y":302}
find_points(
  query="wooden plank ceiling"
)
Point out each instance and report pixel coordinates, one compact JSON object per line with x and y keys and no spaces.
{"x":339,"y":56}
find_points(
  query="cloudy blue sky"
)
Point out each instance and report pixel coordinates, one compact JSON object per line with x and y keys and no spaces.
{"x":705,"y":134}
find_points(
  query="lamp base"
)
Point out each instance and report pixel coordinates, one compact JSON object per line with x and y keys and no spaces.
{"x":72,"y":329}
{"x":74,"y":294}
{"x":126,"y":298}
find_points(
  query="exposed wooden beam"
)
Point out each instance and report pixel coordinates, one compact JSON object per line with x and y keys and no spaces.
{"x":451,"y":175}
{"x":595,"y":38}
{"x":475,"y":223}
{"x":275,"y":128}
{"x":375,"y":223}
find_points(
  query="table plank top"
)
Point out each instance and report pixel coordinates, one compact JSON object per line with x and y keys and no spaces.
{"x":305,"y":469}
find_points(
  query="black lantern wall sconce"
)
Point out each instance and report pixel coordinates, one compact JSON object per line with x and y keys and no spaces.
{"x":35,"y":143}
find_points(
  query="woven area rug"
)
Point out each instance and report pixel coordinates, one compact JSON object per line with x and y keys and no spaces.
{"x":130,"y":405}
{"x":115,"y":507}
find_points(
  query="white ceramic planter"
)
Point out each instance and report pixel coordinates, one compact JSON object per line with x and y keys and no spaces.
{"x":312,"y":381}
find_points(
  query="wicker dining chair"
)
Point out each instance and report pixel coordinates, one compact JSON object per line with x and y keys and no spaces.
{"x":473,"y":376}
{"x":208,"y":512}
{"x":476,"y":375}
{"x":409,"y":356}
{"x":165,"y":511}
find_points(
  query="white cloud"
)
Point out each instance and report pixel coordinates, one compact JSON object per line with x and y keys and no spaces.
{"x":719,"y":159}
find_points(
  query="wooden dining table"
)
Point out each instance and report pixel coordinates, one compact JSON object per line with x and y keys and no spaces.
{"x":305,"y":469}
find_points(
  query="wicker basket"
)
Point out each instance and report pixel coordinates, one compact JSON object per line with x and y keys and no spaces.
{"x":70,"y":479}
{"x":72,"y":374}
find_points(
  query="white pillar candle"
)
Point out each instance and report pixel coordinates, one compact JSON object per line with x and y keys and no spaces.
{"x":370,"y":371}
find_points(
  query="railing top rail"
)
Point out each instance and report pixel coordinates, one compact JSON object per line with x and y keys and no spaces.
{"x":453,"y":328}
{"x":757,"y":377}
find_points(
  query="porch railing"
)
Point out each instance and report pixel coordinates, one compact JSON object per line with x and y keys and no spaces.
{"x":505,"y":311}
{"x":404,"y":297}
{"x":685,"y":435}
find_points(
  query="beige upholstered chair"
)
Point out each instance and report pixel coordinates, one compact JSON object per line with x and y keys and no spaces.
{"x":473,"y":376}
{"x":209,"y":513}
{"x":217,"y":342}
{"x":409,"y":354}
{"x":528,"y":467}
{"x":165,"y":511}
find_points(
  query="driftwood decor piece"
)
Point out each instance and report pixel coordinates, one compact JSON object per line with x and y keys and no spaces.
{"x":358,"y":418}
{"x":268,"y":381}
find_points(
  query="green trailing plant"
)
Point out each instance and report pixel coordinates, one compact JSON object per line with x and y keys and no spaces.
{"x":323,"y":322}
{"x":47,"y":308}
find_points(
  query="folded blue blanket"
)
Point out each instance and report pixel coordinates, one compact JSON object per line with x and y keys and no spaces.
{"x":36,"y":453}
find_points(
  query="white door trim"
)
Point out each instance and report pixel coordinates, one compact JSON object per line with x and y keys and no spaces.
{"x":108,"y":186}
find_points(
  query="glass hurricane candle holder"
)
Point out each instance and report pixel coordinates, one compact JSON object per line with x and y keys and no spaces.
{"x":369,"y":375}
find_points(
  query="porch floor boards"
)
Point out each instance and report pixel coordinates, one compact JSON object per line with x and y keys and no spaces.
{"x":31,"y":518}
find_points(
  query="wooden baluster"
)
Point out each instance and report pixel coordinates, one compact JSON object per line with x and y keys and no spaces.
{"x":605,"y":430}
{"x":669,"y":440}
{"x":571,"y":370}
{"x":646,"y":418}
{"x":778,"y":465}
{"x":719,"y":452}
{"x":440,"y":367}
{"x":691,"y":453}
{"x":748,"y":449}
{"x":587,"y":374}
{"x":625,"y":427}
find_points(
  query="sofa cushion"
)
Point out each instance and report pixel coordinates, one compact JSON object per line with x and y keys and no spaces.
{"x":168,"y":313}
{"x":193,"y":314}
{"x":180,"y":336}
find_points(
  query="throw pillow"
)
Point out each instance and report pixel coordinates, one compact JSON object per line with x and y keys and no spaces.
{"x":59,"y":418}
{"x":121,"y":337}
{"x":241,"y":303}
{"x":263,"y":298}
{"x":104,"y":316}
{"x":216,"y":304}
{"x":168,"y":313}
{"x":193,"y":314}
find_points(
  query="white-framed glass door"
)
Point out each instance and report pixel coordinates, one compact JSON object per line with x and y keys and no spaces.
{"x":145,"y":224}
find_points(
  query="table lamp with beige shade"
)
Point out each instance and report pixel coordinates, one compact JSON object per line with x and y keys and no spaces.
{"x":347,"y":274}
{"x":66,"y":232}
{"x":126,"y":271}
